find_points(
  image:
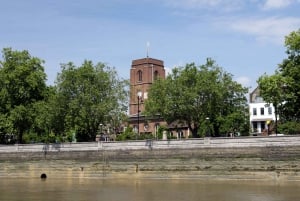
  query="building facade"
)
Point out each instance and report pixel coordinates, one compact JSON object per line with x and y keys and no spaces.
{"x":262,"y":114}
{"x":143,"y":73}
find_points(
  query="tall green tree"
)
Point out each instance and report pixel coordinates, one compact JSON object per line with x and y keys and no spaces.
{"x":290,"y":70}
{"x":203,"y":97}
{"x":22,"y":83}
{"x":272,"y":90}
{"x":88,"y":96}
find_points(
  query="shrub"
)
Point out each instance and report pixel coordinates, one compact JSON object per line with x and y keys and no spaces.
{"x":290,"y":128}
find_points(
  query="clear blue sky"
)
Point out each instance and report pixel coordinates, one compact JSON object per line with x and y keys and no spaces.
{"x":245,"y":37}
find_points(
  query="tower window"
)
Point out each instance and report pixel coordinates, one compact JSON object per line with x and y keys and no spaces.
{"x":156,"y":75}
{"x":140,"y":75}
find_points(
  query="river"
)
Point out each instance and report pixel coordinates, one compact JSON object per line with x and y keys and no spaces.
{"x":83,"y":189}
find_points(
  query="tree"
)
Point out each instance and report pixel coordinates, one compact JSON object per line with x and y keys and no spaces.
{"x":272,"y":91}
{"x":45,"y":121}
{"x":290,"y":70}
{"x":283,"y":88}
{"x":22,"y":83}
{"x":88,"y":96}
{"x":202,"y":97}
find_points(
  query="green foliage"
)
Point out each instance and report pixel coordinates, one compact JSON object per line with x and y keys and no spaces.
{"x":145,"y":136}
{"x":271,"y":88}
{"x":83,"y":98}
{"x":283,"y":88}
{"x":160,"y":131}
{"x":22,"y":84}
{"x":290,"y":70}
{"x":32,"y":137}
{"x":88,"y":96}
{"x":292,"y":43}
{"x":204,"y":129}
{"x":70,"y":136}
{"x":128,"y":134}
{"x":290,"y":128}
{"x":191,"y":94}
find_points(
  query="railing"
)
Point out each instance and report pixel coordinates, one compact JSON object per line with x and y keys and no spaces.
{"x":157,"y":144}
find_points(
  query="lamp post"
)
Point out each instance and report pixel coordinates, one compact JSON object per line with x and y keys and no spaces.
{"x":139,"y":98}
{"x":100,"y":128}
{"x":208,"y":130}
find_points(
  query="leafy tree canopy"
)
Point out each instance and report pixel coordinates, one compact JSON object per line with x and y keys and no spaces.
{"x":283,"y":88}
{"x":290,"y":70}
{"x":22,"y":83}
{"x":88,"y":96}
{"x":200,"y":96}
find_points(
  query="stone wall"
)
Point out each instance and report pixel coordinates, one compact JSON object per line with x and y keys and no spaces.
{"x":225,"y":160}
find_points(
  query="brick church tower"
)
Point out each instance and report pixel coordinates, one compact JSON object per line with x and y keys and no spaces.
{"x":143,"y":73}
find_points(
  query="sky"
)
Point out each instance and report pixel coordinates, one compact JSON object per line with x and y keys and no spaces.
{"x":244,"y":37}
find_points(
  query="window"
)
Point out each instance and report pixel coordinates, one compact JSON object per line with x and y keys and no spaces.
{"x":145,"y":95}
{"x":140,"y":75}
{"x":269,"y":110}
{"x":262,"y":111}
{"x":156,"y":75}
{"x":254,"y":111}
{"x":258,"y":99}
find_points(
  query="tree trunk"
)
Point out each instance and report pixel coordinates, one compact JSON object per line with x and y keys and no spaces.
{"x":194,"y":130}
{"x":20,"y":137}
{"x":276,"y":119}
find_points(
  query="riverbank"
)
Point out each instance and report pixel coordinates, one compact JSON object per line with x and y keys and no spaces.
{"x":271,"y":159}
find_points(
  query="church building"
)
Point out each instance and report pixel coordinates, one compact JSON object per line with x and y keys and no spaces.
{"x":143,"y":73}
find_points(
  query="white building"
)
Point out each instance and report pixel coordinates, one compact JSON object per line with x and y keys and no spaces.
{"x":261,"y":113}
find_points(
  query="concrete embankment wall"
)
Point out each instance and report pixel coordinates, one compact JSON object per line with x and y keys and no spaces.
{"x":275,"y":158}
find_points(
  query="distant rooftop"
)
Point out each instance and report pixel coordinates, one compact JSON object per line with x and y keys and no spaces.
{"x":255,"y":96}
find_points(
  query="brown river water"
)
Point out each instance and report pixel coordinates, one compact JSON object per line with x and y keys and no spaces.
{"x":83,"y":189}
